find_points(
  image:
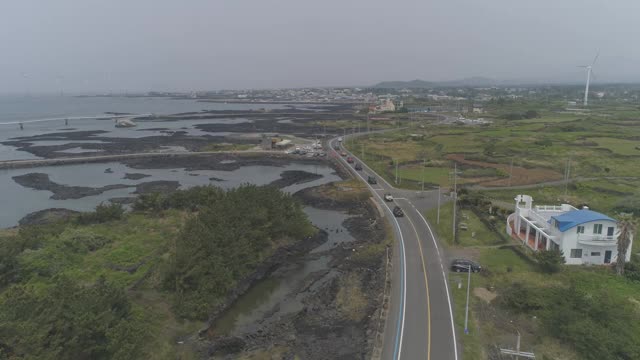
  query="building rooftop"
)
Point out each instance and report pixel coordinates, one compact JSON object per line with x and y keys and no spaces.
{"x":576,"y":217}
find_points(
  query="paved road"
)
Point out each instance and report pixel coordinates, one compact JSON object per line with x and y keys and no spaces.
{"x":419,"y":323}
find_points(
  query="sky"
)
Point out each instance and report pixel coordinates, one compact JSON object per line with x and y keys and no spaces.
{"x":171,"y":45}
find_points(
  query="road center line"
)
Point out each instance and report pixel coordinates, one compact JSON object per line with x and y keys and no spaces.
{"x":426,"y":284}
{"x":446,"y":286}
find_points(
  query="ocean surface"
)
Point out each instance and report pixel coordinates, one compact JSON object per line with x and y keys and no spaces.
{"x":16,"y":108}
{"x":24,"y":108}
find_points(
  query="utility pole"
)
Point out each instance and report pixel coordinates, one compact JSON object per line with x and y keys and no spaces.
{"x":396,"y":172}
{"x":438,"y":218}
{"x":423,"y":165}
{"x":466,"y":310}
{"x":511,"y":172}
{"x":455,"y":197}
{"x":362,"y":152}
{"x":566,"y":184}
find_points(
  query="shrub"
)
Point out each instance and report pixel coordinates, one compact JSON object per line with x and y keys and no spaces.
{"x":102,"y":214}
{"x":549,"y":261}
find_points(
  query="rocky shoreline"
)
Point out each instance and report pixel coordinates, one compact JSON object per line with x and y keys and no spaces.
{"x":41,"y":181}
{"x":322,"y":329}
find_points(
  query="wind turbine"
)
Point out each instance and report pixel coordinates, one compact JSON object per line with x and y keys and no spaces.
{"x":589,"y":72}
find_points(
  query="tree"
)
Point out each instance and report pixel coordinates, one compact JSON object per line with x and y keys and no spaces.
{"x":627,"y":225}
{"x":549,"y":261}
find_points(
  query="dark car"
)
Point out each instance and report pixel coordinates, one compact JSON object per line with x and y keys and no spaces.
{"x":350,"y":160}
{"x":372,"y":180}
{"x":358,"y":167}
{"x":397,"y":212}
{"x":336,"y":148}
{"x":462,"y":265}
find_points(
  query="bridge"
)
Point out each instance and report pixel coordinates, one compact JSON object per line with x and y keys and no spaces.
{"x":66,"y":119}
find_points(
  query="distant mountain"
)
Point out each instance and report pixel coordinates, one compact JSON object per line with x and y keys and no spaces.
{"x":413,"y":84}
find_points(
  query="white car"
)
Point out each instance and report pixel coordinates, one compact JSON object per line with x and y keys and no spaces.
{"x":340,"y":139}
{"x":388,"y":197}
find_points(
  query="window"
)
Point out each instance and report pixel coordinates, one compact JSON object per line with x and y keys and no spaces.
{"x":597,"y":228}
{"x":595,"y":253}
{"x":580,"y":229}
{"x":576,"y":253}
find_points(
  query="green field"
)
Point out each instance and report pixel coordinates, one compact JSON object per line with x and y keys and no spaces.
{"x":597,"y":146}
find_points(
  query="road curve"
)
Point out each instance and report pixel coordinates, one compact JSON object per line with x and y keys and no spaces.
{"x":420,"y":318}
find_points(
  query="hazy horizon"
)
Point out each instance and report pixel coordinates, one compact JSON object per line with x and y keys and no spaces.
{"x":95,"y":46}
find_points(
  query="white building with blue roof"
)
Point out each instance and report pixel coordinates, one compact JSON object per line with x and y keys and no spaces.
{"x":583,"y":235}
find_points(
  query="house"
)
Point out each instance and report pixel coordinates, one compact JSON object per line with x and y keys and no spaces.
{"x":583,"y":235}
{"x":385,"y":105}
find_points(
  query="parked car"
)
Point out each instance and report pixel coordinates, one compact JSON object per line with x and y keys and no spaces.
{"x":358,"y":167}
{"x":372,"y":180}
{"x":397,"y":212}
{"x":350,"y":160}
{"x":462,"y":265}
{"x":388,"y":197}
{"x":343,"y":154}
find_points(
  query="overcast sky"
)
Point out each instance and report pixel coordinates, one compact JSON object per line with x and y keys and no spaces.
{"x":85,"y":45}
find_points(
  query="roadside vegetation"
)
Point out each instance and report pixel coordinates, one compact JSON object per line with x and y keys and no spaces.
{"x":534,"y":149}
{"x":562,"y":312}
{"x":116,"y":285}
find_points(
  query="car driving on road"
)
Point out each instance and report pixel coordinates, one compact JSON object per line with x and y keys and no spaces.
{"x":388,"y":197}
{"x":463,"y":265}
{"x":397,"y":212}
{"x":372,"y":180}
{"x":358,"y":167}
{"x":350,"y":160}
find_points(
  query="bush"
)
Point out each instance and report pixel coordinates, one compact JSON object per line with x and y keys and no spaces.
{"x":69,"y":321}
{"x":549,"y":261}
{"x":226,"y":241}
{"x":102,"y":214}
{"x":522,"y":298}
{"x":191,"y":199}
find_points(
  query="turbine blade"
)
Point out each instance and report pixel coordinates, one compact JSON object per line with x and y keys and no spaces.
{"x":595,"y":58}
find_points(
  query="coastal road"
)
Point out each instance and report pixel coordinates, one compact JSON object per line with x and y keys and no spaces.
{"x":419,"y":324}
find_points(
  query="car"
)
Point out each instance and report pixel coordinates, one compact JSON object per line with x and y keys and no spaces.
{"x":350,"y":160}
{"x":397,"y":212}
{"x":358,"y":167}
{"x":343,"y":154}
{"x":463,"y":265}
{"x":336,"y":148}
{"x":340,"y":139}
{"x":372,"y":180}
{"x":388,"y":197}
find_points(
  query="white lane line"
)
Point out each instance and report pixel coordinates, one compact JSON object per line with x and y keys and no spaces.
{"x":446,"y":285}
{"x":404,"y":263}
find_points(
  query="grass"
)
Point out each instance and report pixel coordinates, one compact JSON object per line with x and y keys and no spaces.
{"x":477,"y":232}
{"x":618,"y":146}
{"x":443,"y":228}
{"x":137,"y":240}
{"x":592,"y":143}
{"x":351,"y":300}
{"x":432,"y":175}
